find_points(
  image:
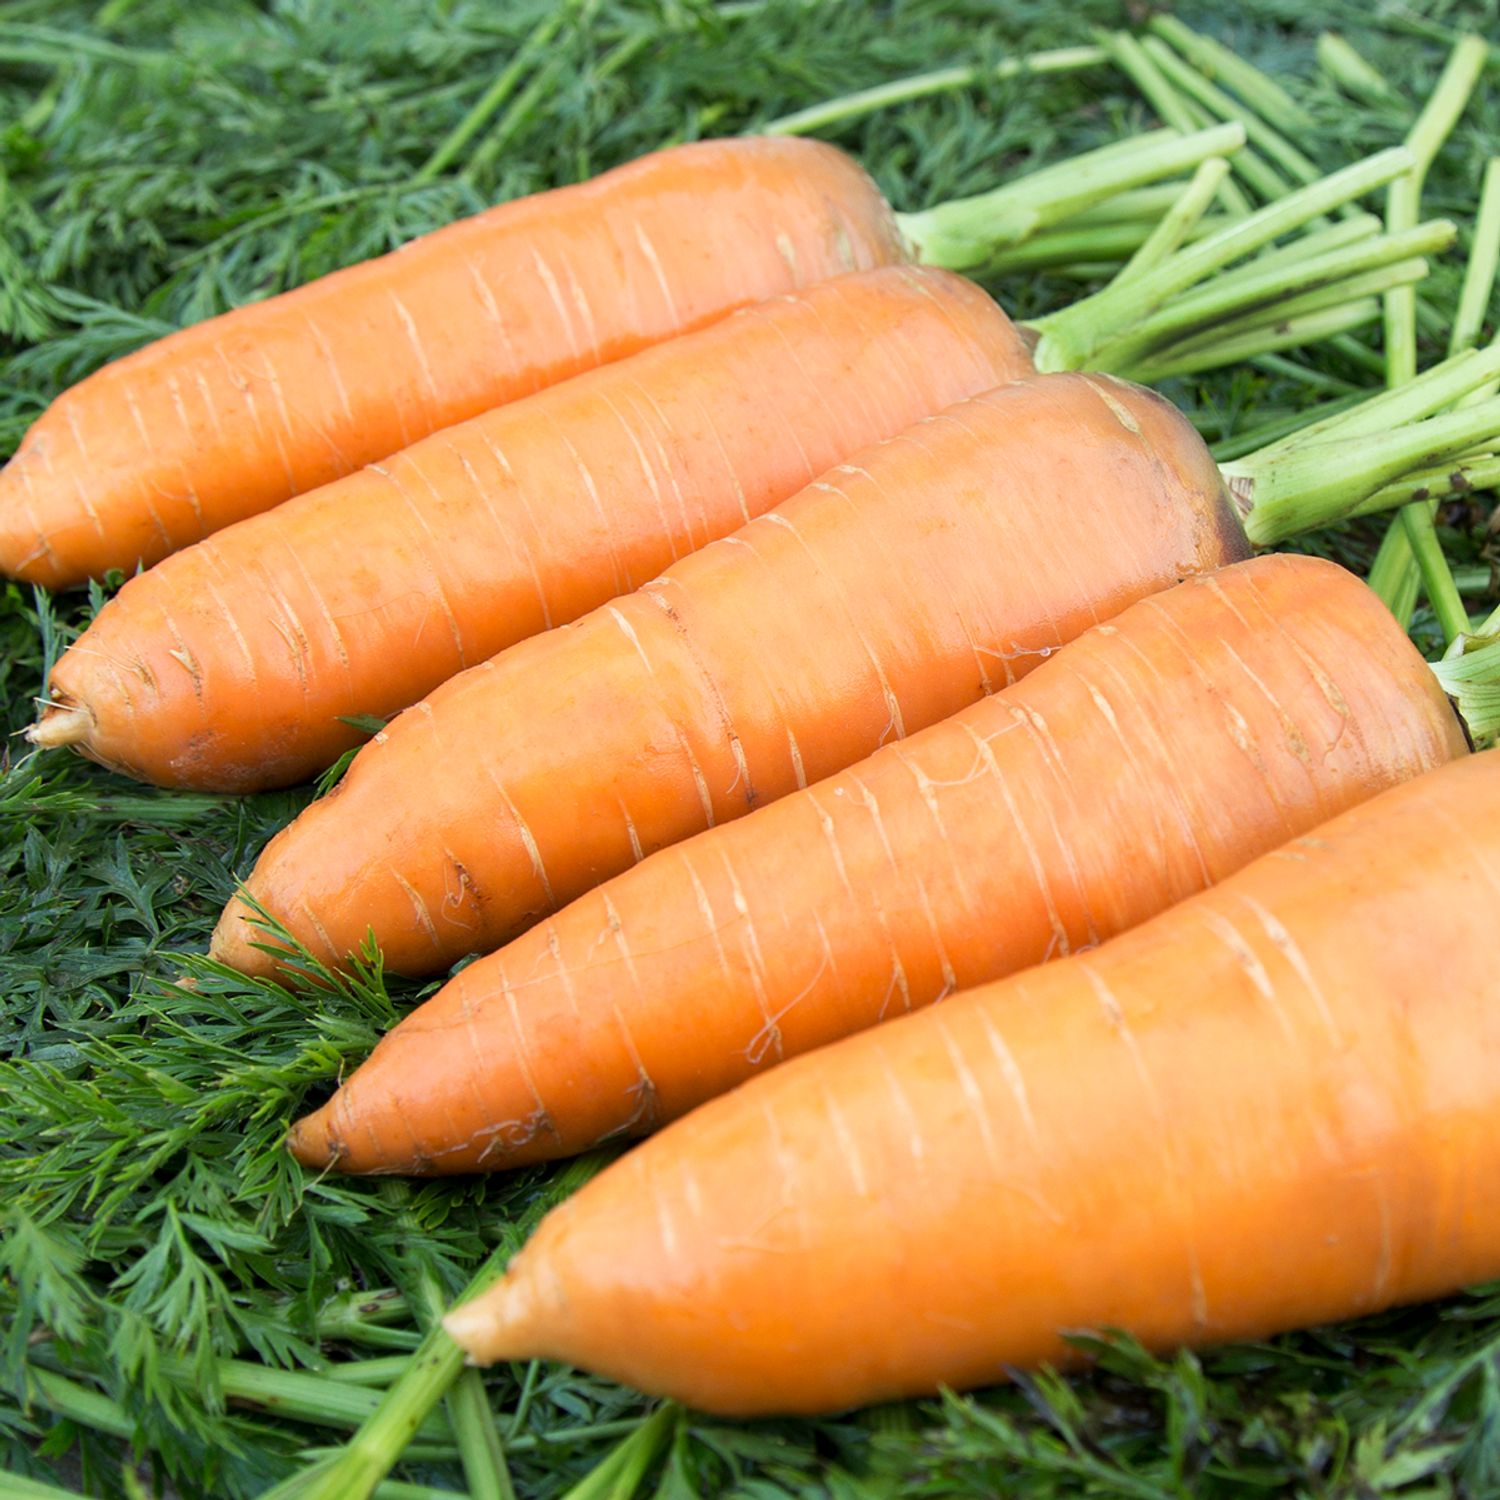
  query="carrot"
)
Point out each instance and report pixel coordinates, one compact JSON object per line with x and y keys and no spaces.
{"x":234,"y":415}
{"x":233,"y":665}
{"x":1154,"y":756}
{"x":904,"y":586}
{"x":1272,"y":1106}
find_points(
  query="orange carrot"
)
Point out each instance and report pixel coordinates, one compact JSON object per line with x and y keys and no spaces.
{"x":1152,"y":757}
{"x":233,"y":415}
{"x":871,"y":604}
{"x":1272,"y":1106}
{"x":232,"y":665}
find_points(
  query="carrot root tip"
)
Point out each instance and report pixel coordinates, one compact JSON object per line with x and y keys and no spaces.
{"x":61,"y":726}
{"x":471,"y":1327}
{"x":309,"y":1142}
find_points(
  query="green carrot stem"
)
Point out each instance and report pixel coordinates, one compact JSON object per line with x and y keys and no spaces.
{"x":1262,"y":136}
{"x":1258,"y":175}
{"x":1264,"y":281}
{"x":1130,"y":58}
{"x":1179,"y":222}
{"x":280,"y":1393}
{"x":494,"y":96}
{"x":1429,"y":393}
{"x":1255,"y":341}
{"x":925,"y":85}
{"x":1317,"y":300}
{"x":1351,"y":231}
{"x":1314,"y":380}
{"x":1295,"y":489}
{"x":1349,"y":71}
{"x":1403,"y":201}
{"x":618,"y":1475}
{"x":1072,"y":337}
{"x":1470,"y":675}
{"x":1348,"y":231}
{"x":1360,"y":354}
{"x":1252,"y":287}
{"x":1261,"y":93}
{"x":1138,"y":206}
{"x":479,"y":1449}
{"x":1479,"y":274}
{"x":303,"y":1398}
{"x":361,"y":1318}
{"x":469,"y":1414}
{"x":1397,"y":563}
{"x":378,"y":1372}
{"x":1462,"y":477}
{"x":962,"y":234}
{"x":79,"y":1404}
{"x":1432,"y":565}
{"x":1101,"y":244}
{"x":1393,"y":575}
{"x":1263,"y":435}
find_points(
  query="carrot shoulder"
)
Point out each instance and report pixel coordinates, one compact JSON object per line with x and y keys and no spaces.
{"x":1151,"y":758}
{"x":236,"y":414}
{"x":1273,"y":1106}
{"x":899,"y":588}
{"x":232,"y":665}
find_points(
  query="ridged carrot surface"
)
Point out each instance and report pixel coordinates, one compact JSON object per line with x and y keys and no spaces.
{"x":233,"y":415}
{"x":1272,"y":1106}
{"x":894,"y":591}
{"x":229,"y":666}
{"x":1151,"y":758}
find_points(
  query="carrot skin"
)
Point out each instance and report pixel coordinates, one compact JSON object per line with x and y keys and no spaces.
{"x":232,"y":416}
{"x":868,"y":606}
{"x":1272,"y":1106}
{"x":231,"y":665}
{"x":1151,"y":758}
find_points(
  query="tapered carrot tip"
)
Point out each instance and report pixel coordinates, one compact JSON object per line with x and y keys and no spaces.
{"x":310,"y":1142}
{"x":233,"y":944}
{"x":501,"y":1323}
{"x":58,"y":727}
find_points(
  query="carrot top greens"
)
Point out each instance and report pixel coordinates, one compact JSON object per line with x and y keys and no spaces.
{"x":181,"y":1304}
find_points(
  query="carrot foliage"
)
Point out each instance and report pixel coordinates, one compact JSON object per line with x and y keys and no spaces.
{"x":179,"y":1302}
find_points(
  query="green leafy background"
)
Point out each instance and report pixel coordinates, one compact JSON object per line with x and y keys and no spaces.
{"x":162,"y":160}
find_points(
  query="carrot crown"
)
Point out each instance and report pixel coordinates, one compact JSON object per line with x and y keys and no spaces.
{"x":1385,"y":452}
{"x":1470,"y":670}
